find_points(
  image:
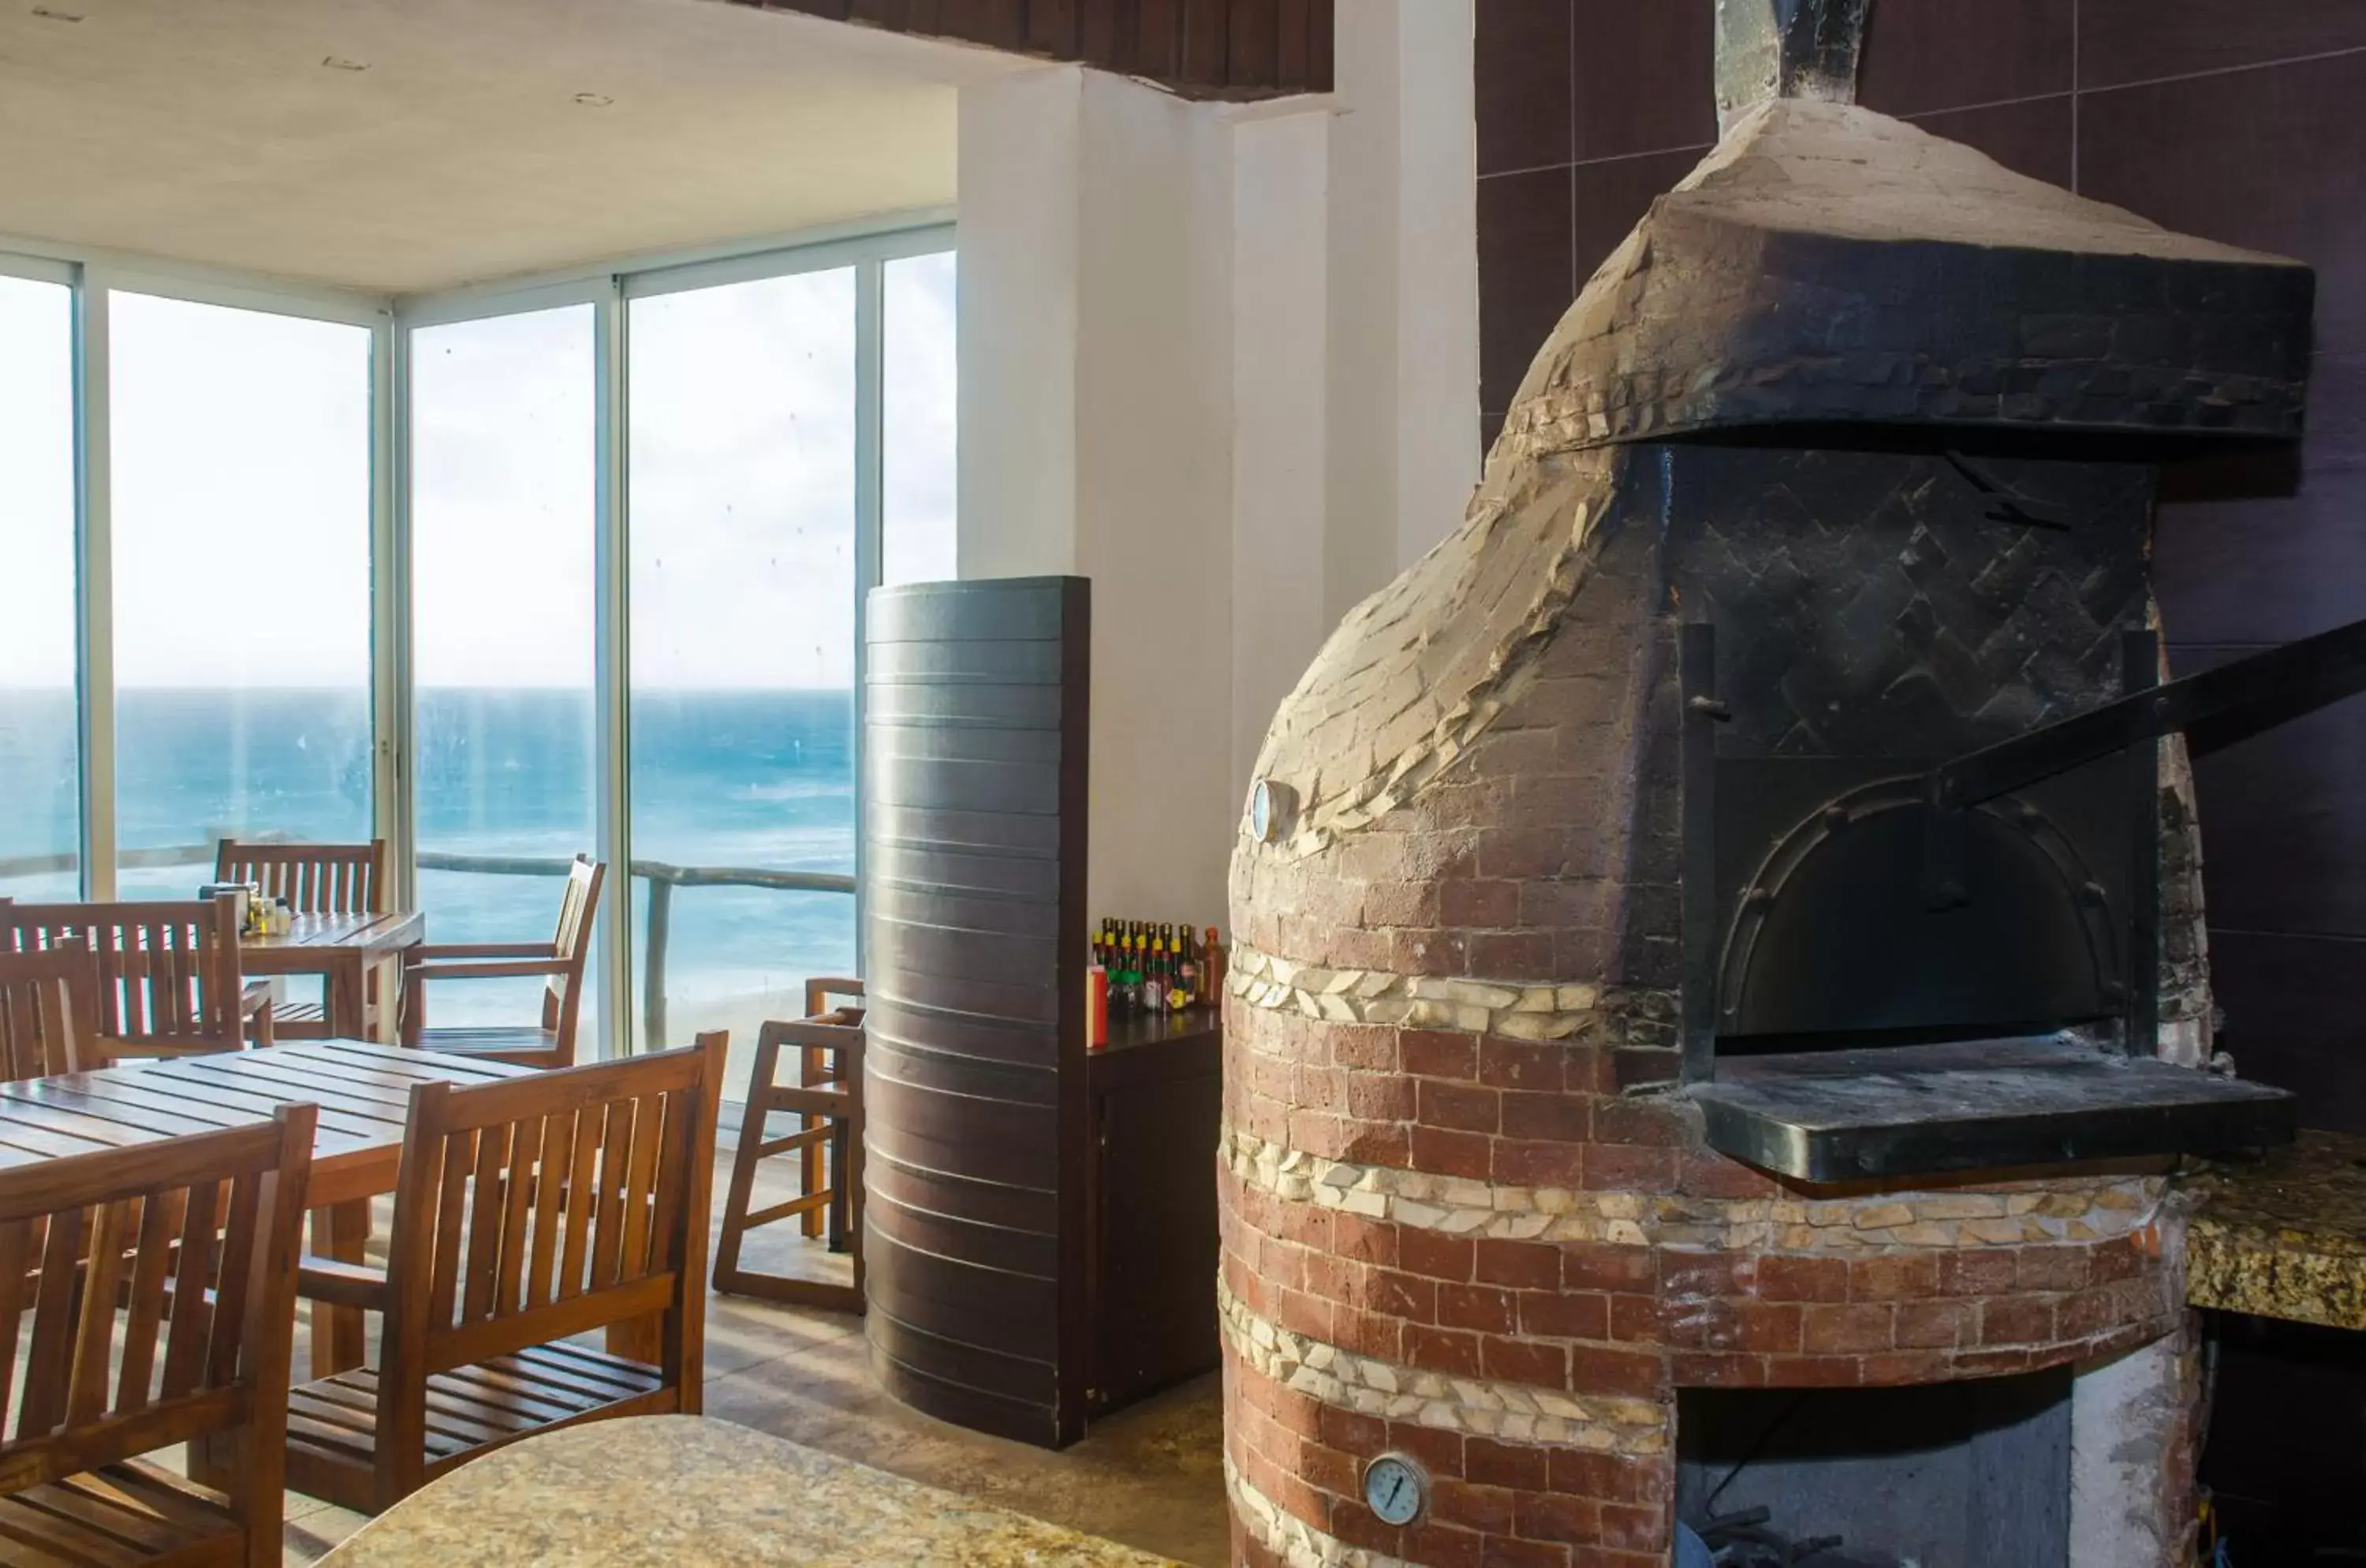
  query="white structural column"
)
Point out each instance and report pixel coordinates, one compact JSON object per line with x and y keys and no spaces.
{"x":1095,"y":386}
{"x":1017,"y":323}
{"x":1404,"y":260}
{"x":1223,"y":361}
{"x":1281,"y":415}
{"x":1435,"y":375}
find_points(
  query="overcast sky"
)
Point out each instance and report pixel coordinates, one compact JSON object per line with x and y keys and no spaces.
{"x":242,"y":488}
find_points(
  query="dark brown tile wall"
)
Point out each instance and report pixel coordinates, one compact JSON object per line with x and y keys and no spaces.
{"x":2234,"y":118}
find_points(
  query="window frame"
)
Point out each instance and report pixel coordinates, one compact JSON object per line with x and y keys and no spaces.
{"x":93,"y":274}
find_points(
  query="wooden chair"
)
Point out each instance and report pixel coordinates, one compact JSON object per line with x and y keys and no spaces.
{"x":526,"y":1211}
{"x":562,"y":959}
{"x":49,"y":1012}
{"x":314,"y":879}
{"x":827,"y":1103}
{"x":192,"y":1244}
{"x":169,"y":980}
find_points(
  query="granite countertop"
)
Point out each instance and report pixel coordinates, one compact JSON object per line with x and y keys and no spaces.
{"x":681,"y":1489}
{"x":2284,"y":1236}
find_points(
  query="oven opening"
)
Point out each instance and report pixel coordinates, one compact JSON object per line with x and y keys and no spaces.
{"x":1834,"y":944}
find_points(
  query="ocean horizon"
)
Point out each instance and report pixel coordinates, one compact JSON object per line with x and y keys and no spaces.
{"x":719,"y":777}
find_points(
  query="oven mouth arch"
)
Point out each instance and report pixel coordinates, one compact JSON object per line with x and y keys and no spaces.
{"x":1830,"y":944}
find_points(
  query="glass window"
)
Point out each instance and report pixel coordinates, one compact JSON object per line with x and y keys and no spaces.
{"x":39,"y":831}
{"x":917,"y":442}
{"x":742,"y":615}
{"x":241,"y":474}
{"x":503,"y":462}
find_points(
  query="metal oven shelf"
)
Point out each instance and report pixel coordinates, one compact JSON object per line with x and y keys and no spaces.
{"x":1853,"y":1114}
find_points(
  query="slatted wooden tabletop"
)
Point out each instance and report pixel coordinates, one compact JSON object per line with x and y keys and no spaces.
{"x":362,"y":1091}
{"x":308,"y":936}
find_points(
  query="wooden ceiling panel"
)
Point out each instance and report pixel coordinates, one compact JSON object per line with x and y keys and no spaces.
{"x":1202,"y":48}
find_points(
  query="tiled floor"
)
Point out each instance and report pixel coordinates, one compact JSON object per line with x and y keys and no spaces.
{"x":1151,"y":1476}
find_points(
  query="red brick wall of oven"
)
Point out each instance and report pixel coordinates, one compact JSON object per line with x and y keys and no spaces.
{"x":1582,"y":1318}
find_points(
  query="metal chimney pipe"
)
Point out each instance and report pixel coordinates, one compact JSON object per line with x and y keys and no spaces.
{"x":1786,"y":49}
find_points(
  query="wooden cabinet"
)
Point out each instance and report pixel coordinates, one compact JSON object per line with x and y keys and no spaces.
{"x":1155,"y":1096}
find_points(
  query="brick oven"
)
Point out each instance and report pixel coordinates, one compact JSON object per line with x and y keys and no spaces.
{"x":1721,"y":994}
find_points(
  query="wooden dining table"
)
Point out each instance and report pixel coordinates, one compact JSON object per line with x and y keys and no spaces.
{"x":362,"y":1087}
{"x":343,"y":949}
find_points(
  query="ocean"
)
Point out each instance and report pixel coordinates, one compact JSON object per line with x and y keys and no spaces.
{"x":761,"y":780}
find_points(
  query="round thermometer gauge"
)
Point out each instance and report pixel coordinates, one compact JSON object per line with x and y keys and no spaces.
{"x":1396,"y":1489}
{"x":1271,"y":804}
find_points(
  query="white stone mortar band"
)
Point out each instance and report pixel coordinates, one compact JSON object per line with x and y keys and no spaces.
{"x":1415,"y":1001}
{"x":2060,"y":1209}
{"x":1487,"y":1407}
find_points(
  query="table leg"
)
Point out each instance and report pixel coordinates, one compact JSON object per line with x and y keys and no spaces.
{"x":377,"y":1014}
{"x":343,"y":979}
{"x":338,"y":1232}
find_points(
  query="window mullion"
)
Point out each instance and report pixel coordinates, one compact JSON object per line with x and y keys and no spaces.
{"x":870,"y":361}
{"x":95,"y":581}
{"x":390,"y":603}
{"x":611,"y":565}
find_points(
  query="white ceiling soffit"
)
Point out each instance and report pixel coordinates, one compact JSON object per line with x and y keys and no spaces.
{"x":399,"y":146}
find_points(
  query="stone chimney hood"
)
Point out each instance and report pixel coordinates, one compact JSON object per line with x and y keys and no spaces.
{"x":1827,"y":263}
{"x":1838,"y":471}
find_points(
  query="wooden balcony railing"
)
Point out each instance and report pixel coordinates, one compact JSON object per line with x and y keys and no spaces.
{"x":662,"y":877}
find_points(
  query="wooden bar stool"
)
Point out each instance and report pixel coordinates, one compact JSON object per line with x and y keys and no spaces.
{"x":818,"y":1068}
{"x":828,"y":1103}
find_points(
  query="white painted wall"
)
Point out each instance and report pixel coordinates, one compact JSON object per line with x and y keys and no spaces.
{"x":1223,"y":360}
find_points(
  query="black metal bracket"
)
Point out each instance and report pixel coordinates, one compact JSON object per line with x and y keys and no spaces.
{"x":2216,"y":707}
{"x":2011,"y":505}
{"x":1696,"y":761}
{"x":2140,"y":996}
{"x":2234,"y":700}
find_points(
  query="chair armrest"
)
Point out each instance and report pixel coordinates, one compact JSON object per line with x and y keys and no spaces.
{"x":426,"y":953}
{"x":491,"y":969}
{"x":340,"y":1284}
{"x":468,"y":961}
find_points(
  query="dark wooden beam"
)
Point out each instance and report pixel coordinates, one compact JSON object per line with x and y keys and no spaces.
{"x":1201,"y":49}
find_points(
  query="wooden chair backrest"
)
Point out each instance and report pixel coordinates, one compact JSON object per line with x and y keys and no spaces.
{"x":315,"y":879}
{"x":192,"y":1242}
{"x":49,"y":1012}
{"x":168,"y":972}
{"x":530,"y":1209}
{"x":578,"y":907}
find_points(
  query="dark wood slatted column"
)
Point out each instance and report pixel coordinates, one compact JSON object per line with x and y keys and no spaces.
{"x":974,"y":802}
